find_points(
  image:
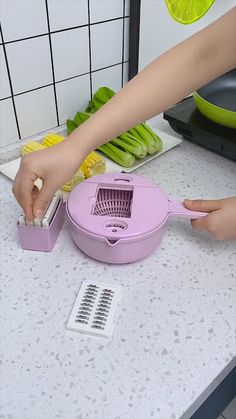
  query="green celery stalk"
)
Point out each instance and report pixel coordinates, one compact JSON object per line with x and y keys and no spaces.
{"x":146,"y":137}
{"x":91,"y":107}
{"x":131,"y":144}
{"x":81,"y":117}
{"x":123,"y":158}
{"x":100,"y":97}
{"x":135,"y":134}
{"x":71,"y":126}
{"x":127,"y":145}
{"x":140,"y":142}
{"x":155,"y":136}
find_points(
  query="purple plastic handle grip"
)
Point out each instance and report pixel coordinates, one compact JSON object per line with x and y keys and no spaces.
{"x":177,"y":209}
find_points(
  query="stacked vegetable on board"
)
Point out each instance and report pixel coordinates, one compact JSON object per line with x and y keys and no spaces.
{"x":134,"y":144}
{"x":124,"y":150}
{"x":94,"y":164}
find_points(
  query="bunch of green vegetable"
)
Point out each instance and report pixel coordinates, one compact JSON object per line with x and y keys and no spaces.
{"x":134,"y":143}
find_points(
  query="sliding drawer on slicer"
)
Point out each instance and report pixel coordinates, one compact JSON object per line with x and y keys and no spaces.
{"x":42,"y":235}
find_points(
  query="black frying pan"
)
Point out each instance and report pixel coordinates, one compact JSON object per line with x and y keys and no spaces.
{"x":217,"y":99}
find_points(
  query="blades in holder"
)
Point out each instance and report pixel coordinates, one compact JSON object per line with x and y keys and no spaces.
{"x":94,"y":309}
{"x":48,"y":217}
{"x":49,"y":214}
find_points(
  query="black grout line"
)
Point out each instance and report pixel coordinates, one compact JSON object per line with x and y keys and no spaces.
{"x":108,"y":66}
{"x":52,"y":63}
{"x":33,"y":90}
{"x":5,"y":98}
{"x":123,"y":46}
{"x":63,"y":80}
{"x":49,"y":33}
{"x":64,"y":30}
{"x":26,"y":38}
{"x":108,"y":20}
{"x":90,"y":53}
{"x":10,"y":83}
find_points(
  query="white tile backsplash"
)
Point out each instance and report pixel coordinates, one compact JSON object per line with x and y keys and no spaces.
{"x":106,"y":44}
{"x":23,"y":18}
{"x":4,"y":80}
{"x":30,"y":63}
{"x":70,"y":53}
{"x":8,"y":128}
{"x":110,"y":77}
{"x":36,"y":111}
{"x":105,"y":9}
{"x":54,"y":50}
{"x":67,"y":13}
{"x":72,"y":96}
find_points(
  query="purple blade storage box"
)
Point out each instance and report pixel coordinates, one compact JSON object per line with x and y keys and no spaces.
{"x":42,"y":239}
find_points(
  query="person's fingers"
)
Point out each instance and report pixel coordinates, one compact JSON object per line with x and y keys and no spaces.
{"x":42,"y":200}
{"x":34,"y":193}
{"x":203,"y":205}
{"x":201,"y":224}
{"x":22,"y":189}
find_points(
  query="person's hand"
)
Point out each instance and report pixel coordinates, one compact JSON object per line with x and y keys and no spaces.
{"x":54,"y":166}
{"x":221,"y":221}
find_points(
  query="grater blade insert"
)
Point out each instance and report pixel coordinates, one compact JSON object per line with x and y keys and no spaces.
{"x":113,"y":202}
{"x":94,"y":309}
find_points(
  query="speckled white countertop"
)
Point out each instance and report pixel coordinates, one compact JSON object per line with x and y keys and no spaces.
{"x":174,"y":337}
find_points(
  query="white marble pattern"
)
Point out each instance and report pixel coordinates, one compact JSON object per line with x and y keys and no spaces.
{"x":174,"y":337}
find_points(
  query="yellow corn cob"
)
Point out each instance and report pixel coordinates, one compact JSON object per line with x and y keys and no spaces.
{"x":30,"y":147}
{"x":94,"y":164}
{"x":52,"y":139}
{"x":75,"y":180}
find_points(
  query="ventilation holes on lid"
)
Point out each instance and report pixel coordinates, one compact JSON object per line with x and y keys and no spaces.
{"x":115,"y":226}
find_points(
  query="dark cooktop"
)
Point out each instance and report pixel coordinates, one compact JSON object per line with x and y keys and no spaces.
{"x":186,"y":120}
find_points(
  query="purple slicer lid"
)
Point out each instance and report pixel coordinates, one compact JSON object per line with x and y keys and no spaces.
{"x":117,"y":205}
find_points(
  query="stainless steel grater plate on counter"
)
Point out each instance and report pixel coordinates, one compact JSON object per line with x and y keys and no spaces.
{"x":94,"y":309}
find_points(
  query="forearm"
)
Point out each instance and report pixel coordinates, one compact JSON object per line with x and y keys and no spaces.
{"x":175,"y":74}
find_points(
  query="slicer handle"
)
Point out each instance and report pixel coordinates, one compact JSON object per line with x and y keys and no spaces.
{"x":177,"y":209}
